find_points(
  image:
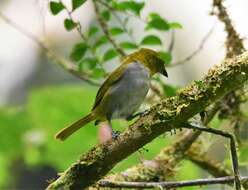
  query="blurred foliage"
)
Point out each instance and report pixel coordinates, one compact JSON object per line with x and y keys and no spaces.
{"x":28,"y":132}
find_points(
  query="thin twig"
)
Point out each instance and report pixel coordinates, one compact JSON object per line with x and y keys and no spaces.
{"x":68,"y":66}
{"x":81,"y":34}
{"x":195,"y":52}
{"x":104,"y":27}
{"x":78,"y":24}
{"x":121,"y":22}
{"x":171,"y":184}
{"x":234,"y":155}
{"x":172,"y":42}
{"x":234,"y":44}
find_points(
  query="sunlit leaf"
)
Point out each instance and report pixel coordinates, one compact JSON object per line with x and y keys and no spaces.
{"x":98,"y":73}
{"x":110,"y":54}
{"x":169,"y":90}
{"x":151,"y":40}
{"x":93,"y":30}
{"x":166,"y":56}
{"x":106,"y":15}
{"x":100,"y":41}
{"x":78,"y":51}
{"x":128,"y":45}
{"x":153,"y":16}
{"x":87,"y":63}
{"x":157,"y":22}
{"x":77,"y":3}
{"x":56,"y":7}
{"x":69,"y":24}
{"x":133,"y":6}
{"x":175,"y":25}
{"x":116,"y":31}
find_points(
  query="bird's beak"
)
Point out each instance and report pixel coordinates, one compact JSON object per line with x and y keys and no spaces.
{"x":164,"y":72}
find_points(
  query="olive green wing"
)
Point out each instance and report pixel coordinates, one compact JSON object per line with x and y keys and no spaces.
{"x":114,"y":77}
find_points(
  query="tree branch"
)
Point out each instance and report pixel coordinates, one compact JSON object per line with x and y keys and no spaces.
{"x":234,"y":43}
{"x":173,"y":184}
{"x":162,"y":166}
{"x":169,"y":113}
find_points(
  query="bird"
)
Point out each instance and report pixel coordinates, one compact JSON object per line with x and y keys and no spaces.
{"x":123,"y":91}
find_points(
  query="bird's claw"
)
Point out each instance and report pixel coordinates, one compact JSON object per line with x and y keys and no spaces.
{"x":173,"y":131}
{"x":115,"y":134}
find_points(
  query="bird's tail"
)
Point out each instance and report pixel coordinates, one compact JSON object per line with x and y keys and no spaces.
{"x":67,"y":131}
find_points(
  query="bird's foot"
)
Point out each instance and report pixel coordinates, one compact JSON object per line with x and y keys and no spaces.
{"x":115,"y":134}
{"x":173,"y":131}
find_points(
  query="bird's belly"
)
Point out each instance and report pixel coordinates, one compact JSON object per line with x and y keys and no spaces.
{"x":127,"y":95}
{"x":130,"y":100}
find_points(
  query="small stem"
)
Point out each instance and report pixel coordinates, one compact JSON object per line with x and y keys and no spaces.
{"x":195,"y":52}
{"x":120,"y":21}
{"x":234,"y":155}
{"x":104,"y":27}
{"x":59,"y":60}
{"x":170,"y":184}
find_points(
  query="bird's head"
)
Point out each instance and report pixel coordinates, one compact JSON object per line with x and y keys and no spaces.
{"x":152,"y":60}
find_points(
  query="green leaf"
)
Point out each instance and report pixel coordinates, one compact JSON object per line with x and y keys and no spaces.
{"x":166,"y":56}
{"x":169,"y":90}
{"x":151,"y":40}
{"x":153,"y":16}
{"x":101,"y":41}
{"x":98,"y":73}
{"x":88,"y":63}
{"x":133,"y":6}
{"x":175,"y":25}
{"x":110,"y":54}
{"x":157,"y":22}
{"x":78,"y":51}
{"x":106,"y":15}
{"x":128,"y":45}
{"x":77,"y":3}
{"x":56,"y":7}
{"x":69,"y":24}
{"x":93,"y":30}
{"x":116,"y":31}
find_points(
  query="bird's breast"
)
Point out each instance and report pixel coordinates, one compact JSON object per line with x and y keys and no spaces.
{"x":130,"y":91}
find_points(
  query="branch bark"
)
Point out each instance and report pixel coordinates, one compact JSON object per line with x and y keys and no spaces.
{"x":170,"y":113}
{"x":172,"y":184}
{"x":234,"y":44}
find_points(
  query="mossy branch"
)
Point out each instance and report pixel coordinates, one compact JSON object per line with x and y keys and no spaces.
{"x":170,"y":113}
{"x":234,"y":44}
